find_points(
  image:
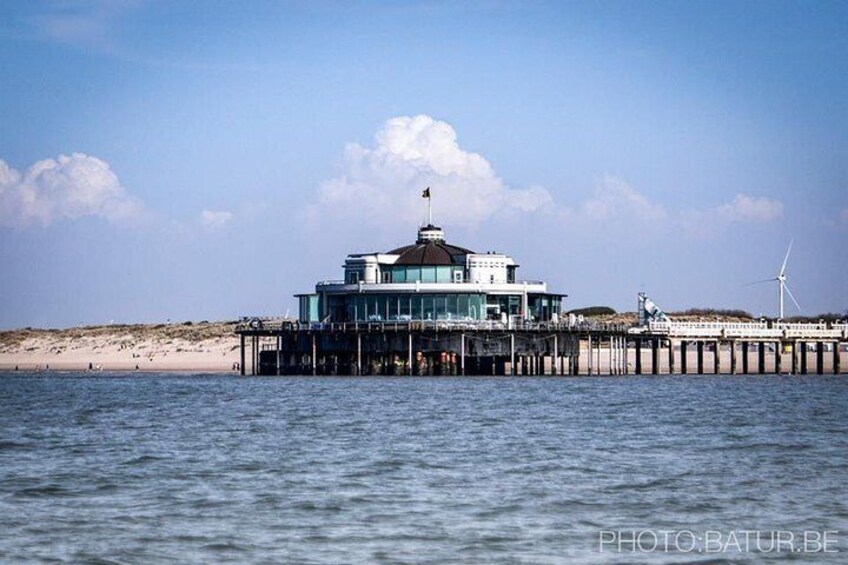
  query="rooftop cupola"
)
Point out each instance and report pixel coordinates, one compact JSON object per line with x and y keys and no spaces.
{"x":430,"y":233}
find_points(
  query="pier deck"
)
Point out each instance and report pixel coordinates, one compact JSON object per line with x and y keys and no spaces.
{"x":491,"y":348}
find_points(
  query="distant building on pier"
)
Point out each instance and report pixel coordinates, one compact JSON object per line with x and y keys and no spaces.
{"x":430,"y":280}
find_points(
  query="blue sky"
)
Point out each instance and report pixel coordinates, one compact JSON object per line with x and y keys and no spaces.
{"x":206,"y":160}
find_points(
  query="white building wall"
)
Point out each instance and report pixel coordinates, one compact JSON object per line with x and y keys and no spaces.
{"x":368,"y":266}
{"x":488,"y":268}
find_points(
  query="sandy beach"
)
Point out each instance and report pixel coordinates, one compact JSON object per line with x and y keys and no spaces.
{"x":196,"y":347}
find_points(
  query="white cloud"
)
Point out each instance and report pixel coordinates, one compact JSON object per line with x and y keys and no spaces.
{"x":215,"y":220}
{"x":83,"y":23}
{"x":615,"y":198}
{"x":67,"y":187}
{"x":384,"y":183}
{"x":745,"y":208}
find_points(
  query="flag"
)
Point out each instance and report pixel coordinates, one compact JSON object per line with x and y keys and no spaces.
{"x":426,"y":193}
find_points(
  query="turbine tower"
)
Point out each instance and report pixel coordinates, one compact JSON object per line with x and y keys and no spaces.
{"x":781,"y":282}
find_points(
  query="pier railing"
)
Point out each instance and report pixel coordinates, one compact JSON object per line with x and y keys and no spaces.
{"x":273,"y":325}
{"x":764,"y":330}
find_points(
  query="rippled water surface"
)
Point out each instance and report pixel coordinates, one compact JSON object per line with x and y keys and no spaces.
{"x":147,"y":469}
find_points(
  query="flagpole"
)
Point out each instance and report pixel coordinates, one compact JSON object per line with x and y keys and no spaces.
{"x":429,"y":210}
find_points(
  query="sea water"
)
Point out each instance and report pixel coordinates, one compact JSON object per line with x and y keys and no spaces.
{"x":202,"y":468}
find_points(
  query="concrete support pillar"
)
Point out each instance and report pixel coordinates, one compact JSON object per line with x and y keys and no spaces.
{"x":761,"y":358}
{"x":717,"y":357}
{"x":803,"y":357}
{"x":358,"y":353}
{"x":684,"y":349}
{"x":410,"y":358}
{"x":778,"y":356}
{"x":622,"y":354}
{"x":241,"y":353}
{"x":655,"y":356}
{"x":461,"y":353}
{"x":733,"y":357}
{"x":700,"y":349}
{"x":836,"y":358}
{"x":622,"y":344}
{"x":575,"y":360}
{"x":598,"y":365}
{"x":670,"y":357}
{"x":794,"y":357}
{"x":279,"y":346}
{"x":254,"y":353}
{"x":512,"y":366}
{"x":314,"y":356}
{"x":744,"y":357}
{"x":589,"y":356}
{"x":819,"y":358}
{"x":555,"y":357}
{"x":638,"y":356}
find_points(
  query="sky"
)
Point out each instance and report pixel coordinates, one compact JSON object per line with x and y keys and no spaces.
{"x":171,"y":161}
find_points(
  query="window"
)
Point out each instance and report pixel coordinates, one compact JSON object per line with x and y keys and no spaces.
{"x":443,"y":274}
{"x":387,"y":276}
{"x":457,"y":276}
{"x":352,"y":277}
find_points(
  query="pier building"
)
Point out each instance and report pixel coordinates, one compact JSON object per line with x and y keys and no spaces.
{"x":430,"y":280}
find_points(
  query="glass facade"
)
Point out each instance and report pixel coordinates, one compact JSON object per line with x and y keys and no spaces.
{"x":409,"y":306}
{"x":308,"y":307}
{"x":378,"y":307}
{"x":431,"y":274}
{"x":543,"y":306}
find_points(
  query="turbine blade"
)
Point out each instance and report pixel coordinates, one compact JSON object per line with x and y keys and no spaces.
{"x":785,"y":259}
{"x":759,"y":282}
{"x":789,"y":292}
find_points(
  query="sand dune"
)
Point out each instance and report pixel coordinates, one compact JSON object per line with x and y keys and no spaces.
{"x":198,"y":347}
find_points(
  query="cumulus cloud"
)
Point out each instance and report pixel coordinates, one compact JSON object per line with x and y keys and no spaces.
{"x":215,"y":220}
{"x":383,"y":183}
{"x":67,"y":187}
{"x":615,"y":198}
{"x":745,"y":208}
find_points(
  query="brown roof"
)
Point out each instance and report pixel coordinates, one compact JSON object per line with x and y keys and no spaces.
{"x":430,"y":253}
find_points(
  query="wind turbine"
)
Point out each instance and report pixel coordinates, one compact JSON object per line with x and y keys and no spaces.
{"x":781,"y":280}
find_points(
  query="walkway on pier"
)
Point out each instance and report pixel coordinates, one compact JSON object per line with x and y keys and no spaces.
{"x":741,"y":347}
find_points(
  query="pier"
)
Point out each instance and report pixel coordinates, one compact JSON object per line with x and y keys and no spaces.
{"x":275,"y":347}
{"x":741,"y":347}
{"x":436,"y":308}
{"x":430,"y":348}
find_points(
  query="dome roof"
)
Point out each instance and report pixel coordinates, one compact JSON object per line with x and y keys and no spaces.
{"x":430,"y":251}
